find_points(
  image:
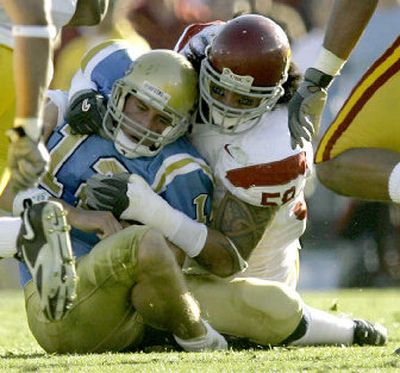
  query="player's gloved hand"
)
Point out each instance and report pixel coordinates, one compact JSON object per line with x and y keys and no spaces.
{"x":27,"y":159}
{"x":195,"y":49}
{"x":108,"y":193}
{"x":306,"y":106}
{"x":85,"y":113}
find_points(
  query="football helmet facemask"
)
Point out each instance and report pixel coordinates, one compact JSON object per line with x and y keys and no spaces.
{"x":249,"y":57}
{"x":163,"y":80}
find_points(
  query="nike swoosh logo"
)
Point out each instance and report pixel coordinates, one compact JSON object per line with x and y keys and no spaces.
{"x":85,"y":105}
{"x":226,"y":147}
{"x":30,"y":234}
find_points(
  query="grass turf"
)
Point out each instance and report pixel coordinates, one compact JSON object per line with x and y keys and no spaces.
{"x":19,"y":351}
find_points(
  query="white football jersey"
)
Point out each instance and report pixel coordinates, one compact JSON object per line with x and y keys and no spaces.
{"x":61,"y":13}
{"x":260,"y":167}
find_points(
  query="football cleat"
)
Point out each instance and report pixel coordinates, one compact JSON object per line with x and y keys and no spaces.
{"x":44,"y":245}
{"x":368,"y":333}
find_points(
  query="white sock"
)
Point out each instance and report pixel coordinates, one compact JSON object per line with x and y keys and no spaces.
{"x":211,"y":341}
{"x":9,"y":229}
{"x":325,"y":328}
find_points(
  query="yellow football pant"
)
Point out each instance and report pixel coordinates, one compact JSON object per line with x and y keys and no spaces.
{"x":102,"y":318}
{"x":266,"y":312}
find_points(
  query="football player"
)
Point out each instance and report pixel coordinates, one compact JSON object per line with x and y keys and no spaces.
{"x":131,"y":276}
{"x":40,"y":238}
{"x":261,"y":300}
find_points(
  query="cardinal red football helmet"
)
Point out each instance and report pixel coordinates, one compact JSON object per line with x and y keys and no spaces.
{"x":250,"y":57}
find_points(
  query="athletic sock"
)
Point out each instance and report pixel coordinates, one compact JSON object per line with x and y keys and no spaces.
{"x":325,"y":328}
{"x":211,"y":341}
{"x":9,"y":229}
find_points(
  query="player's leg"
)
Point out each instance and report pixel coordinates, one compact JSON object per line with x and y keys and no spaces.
{"x":263,"y":311}
{"x":268,"y":313}
{"x":362,"y":173}
{"x":323,"y":328}
{"x":357,"y":154}
{"x":40,"y":239}
{"x":161,"y":296}
{"x":32,"y":60}
{"x":104,"y":318}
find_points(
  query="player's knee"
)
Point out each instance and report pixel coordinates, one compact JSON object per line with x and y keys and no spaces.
{"x":277,"y":301}
{"x":154,"y":253}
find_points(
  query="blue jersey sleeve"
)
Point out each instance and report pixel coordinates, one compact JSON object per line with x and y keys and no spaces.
{"x":108,"y":62}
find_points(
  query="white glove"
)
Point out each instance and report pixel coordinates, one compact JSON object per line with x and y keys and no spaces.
{"x":306,"y":106}
{"x":27,"y":159}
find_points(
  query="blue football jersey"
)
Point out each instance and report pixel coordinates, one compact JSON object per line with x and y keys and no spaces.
{"x":177,"y":173}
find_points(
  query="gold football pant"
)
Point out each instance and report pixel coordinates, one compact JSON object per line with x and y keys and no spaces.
{"x":266,"y":312}
{"x":103,"y":318}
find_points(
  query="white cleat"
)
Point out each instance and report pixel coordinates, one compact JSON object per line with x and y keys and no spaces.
{"x":44,"y":245}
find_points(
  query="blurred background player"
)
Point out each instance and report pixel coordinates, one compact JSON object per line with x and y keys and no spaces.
{"x":347,"y":21}
{"x":40,"y":239}
{"x":31,"y":32}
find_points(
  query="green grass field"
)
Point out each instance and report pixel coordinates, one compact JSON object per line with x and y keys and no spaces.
{"x":19,"y":351}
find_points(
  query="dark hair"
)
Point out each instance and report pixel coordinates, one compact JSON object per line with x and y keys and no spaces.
{"x":291,"y":84}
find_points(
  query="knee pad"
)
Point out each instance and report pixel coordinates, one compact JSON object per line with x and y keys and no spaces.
{"x":278,"y":308}
{"x":278,"y":300}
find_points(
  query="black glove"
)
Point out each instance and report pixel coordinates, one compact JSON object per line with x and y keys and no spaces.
{"x":195,"y":49}
{"x":108,"y":193}
{"x":306,"y":106}
{"x":85,"y":113}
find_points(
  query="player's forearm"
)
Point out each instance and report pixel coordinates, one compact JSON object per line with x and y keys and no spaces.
{"x":33,"y":33}
{"x":31,"y":79}
{"x":220,"y":256}
{"x":242,"y":223}
{"x":347,"y":22}
{"x":89,"y":12}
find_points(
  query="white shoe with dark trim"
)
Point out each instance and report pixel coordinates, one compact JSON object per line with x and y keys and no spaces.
{"x":44,"y":245}
{"x":368,"y":333}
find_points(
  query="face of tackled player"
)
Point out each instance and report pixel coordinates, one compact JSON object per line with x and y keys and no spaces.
{"x":242,"y":75}
{"x":152,"y":105}
{"x":142,"y":117}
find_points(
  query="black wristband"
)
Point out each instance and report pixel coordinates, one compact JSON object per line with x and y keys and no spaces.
{"x":16,"y":133}
{"x":318,"y":77}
